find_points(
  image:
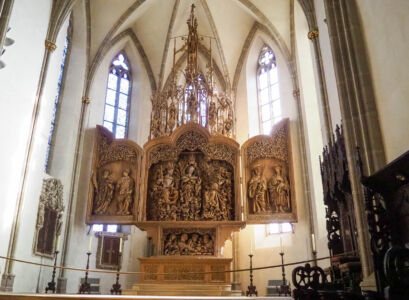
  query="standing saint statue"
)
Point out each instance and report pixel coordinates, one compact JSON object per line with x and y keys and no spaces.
{"x":257,"y":190}
{"x":104,"y":193}
{"x":190,"y":192}
{"x":125,"y":187}
{"x":279,"y":184}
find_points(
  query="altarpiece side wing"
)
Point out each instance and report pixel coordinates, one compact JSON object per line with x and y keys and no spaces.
{"x":114,"y":183}
{"x":269,"y":177}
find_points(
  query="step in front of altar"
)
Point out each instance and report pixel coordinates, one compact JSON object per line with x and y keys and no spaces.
{"x":179,"y":289}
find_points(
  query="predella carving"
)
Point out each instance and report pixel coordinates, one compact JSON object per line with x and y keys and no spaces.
{"x":184,"y":241}
{"x":269,"y":177}
{"x":49,"y":217}
{"x":191,"y":178}
{"x":113,"y":191}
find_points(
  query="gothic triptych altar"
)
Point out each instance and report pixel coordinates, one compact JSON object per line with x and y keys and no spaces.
{"x":191,"y":185}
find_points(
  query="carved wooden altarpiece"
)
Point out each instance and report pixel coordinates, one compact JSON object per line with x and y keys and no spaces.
{"x":269,"y":177}
{"x":191,"y":193}
{"x":114,"y":184}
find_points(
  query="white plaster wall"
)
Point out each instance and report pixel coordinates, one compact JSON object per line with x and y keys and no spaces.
{"x":327,"y":60}
{"x":312,"y":126}
{"x":138,"y":131}
{"x":386,"y":32}
{"x":24,"y":249}
{"x":266,"y":248}
{"x":21,"y":75}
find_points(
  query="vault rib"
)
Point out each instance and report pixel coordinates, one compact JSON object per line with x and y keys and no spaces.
{"x":166,"y":47}
{"x":218,"y":42}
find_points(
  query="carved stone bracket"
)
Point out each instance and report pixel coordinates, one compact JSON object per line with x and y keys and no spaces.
{"x":269,"y":177}
{"x":114,"y":184}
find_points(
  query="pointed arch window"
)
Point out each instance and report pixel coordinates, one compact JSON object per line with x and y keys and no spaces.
{"x":269,"y":105}
{"x":117,"y":98}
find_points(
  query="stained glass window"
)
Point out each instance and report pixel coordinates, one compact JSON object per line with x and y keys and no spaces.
{"x":56,"y":102}
{"x":116,"y":112}
{"x":268,"y":91}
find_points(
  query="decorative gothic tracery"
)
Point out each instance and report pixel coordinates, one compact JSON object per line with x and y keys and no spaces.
{"x":193,"y":98}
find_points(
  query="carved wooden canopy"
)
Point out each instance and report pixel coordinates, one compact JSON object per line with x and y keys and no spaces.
{"x":269,"y":177}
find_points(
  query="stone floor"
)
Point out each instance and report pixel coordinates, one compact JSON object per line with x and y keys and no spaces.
{"x":13,"y":296}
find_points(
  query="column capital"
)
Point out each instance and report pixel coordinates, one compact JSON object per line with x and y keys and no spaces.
{"x":85,"y":100}
{"x":50,"y":46}
{"x":313,"y":34}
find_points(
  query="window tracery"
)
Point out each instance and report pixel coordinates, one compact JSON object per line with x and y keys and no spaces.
{"x":51,"y":135}
{"x":118,"y":91}
{"x":268,"y":91}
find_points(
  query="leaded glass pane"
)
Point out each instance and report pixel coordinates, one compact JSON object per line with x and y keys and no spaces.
{"x":109,"y":113}
{"x":276,"y":108}
{"x":108,"y":125}
{"x":264,"y":97}
{"x":112,"y":228}
{"x":273,"y":75}
{"x":120,"y":132}
{"x":267,"y":127}
{"x":112,"y":81}
{"x":273,"y":228}
{"x":110,"y":97}
{"x":124,"y":86}
{"x":123,"y":101}
{"x":287,"y":227}
{"x":265,"y":113}
{"x":263,"y":80}
{"x":121,"y":117}
{"x":275,"y":92}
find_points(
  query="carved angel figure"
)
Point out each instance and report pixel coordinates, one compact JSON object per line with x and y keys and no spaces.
{"x":257,"y":189}
{"x":172,"y":116}
{"x":104,"y":193}
{"x":125,"y":187}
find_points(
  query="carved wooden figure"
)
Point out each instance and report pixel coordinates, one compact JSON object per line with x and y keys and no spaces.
{"x":114,"y":184}
{"x":268,"y":177}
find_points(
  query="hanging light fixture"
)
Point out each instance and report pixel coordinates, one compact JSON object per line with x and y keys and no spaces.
{"x":195,"y":98}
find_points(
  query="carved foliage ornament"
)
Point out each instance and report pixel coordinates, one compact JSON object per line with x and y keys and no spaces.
{"x":49,"y":217}
{"x":269,"y":176}
{"x":114,"y":179}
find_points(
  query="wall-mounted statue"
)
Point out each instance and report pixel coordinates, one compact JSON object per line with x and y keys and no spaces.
{"x":49,"y":217}
{"x":114,"y":179}
{"x":269,"y":177}
{"x":181,"y":241}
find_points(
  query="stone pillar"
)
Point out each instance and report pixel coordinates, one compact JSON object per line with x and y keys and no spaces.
{"x":358,"y":108}
{"x":236,"y":284}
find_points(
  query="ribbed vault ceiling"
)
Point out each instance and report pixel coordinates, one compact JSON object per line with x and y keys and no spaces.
{"x":154,"y":22}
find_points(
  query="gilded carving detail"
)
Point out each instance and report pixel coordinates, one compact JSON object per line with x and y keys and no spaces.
{"x":183,"y":241}
{"x":217,"y":276}
{"x":187,"y":272}
{"x":151,"y":271}
{"x":270,"y":147}
{"x":268,"y":176}
{"x":192,"y":188}
{"x":113,"y":186}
